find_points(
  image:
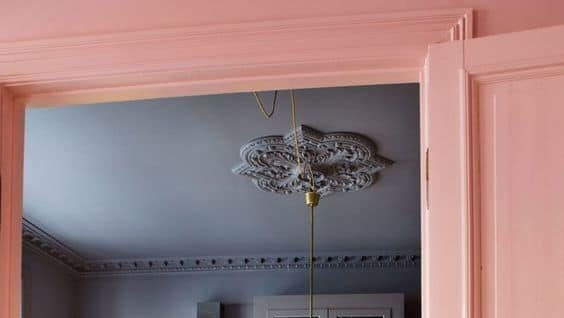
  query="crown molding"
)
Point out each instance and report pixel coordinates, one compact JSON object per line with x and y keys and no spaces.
{"x":192,"y":60}
{"x":380,"y":261}
{"x":49,"y":246}
{"x":41,"y":241}
{"x":38,"y":252}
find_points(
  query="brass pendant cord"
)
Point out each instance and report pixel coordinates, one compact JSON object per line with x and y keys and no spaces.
{"x":307,"y":169}
{"x":311,"y":196}
{"x":294,"y":129}
{"x":261,"y":105}
{"x":311,"y":257}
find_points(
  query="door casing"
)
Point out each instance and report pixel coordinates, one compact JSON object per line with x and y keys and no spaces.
{"x":464,"y":78}
{"x":367,"y":49}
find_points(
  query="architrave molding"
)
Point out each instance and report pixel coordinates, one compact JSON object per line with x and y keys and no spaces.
{"x":455,"y":84}
{"x":308,"y":52}
{"x":44,"y":243}
{"x":11,"y":201}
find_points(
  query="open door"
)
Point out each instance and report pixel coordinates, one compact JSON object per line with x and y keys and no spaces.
{"x":493,"y":219}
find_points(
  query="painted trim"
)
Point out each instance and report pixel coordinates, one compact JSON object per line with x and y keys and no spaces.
{"x":454,"y":76}
{"x":296,"y":53}
{"x":323,"y":52}
{"x":445,"y":233}
{"x":11,"y":201}
{"x":37,"y":251}
{"x":398,"y":260}
{"x":41,"y":241}
{"x":538,"y":59}
{"x":47,"y":245}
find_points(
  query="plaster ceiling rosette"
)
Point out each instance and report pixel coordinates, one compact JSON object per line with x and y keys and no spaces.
{"x":340,"y":162}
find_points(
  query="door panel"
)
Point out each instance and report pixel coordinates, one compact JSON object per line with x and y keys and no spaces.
{"x":493,"y":232}
{"x":521,"y":126}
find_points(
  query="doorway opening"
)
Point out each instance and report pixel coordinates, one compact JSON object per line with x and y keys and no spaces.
{"x":131,"y":208}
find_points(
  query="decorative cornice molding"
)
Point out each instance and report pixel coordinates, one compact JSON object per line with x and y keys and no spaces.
{"x":197,"y":57}
{"x":384,"y":260}
{"x":51,"y":247}
{"x":339,"y":161}
{"x":48,"y":245}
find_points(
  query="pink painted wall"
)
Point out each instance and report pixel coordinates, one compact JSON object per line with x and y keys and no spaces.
{"x":32,"y":19}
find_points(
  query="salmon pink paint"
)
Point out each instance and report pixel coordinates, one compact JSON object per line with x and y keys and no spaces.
{"x":26,"y":20}
{"x":491,"y":111}
{"x":493,"y":231}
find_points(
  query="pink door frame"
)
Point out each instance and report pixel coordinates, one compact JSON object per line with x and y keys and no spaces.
{"x":463,"y":78}
{"x":299,"y":53}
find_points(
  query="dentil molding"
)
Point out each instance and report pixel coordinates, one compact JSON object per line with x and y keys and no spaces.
{"x":384,"y":260}
{"x":339,"y":161}
{"x":38,"y":239}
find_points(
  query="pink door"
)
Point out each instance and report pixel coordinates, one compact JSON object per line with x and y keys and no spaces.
{"x":493,"y":242}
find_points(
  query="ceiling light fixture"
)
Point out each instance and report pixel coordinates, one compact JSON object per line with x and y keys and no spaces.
{"x":310,"y":162}
{"x":304,"y":172}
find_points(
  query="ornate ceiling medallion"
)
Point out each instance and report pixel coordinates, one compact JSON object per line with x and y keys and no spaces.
{"x":340,"y":162}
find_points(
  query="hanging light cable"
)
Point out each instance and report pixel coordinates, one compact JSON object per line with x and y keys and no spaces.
{"x":312,"y":200}
{"x":311,"y":196}
{"x":295,"y":131}
{"x":261,"y":105}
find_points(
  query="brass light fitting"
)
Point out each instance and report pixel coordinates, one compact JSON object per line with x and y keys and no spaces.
{"x":312,"y":198}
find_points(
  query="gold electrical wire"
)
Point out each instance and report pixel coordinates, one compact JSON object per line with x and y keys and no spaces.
{"x":307,"y":168}
{"x":311,"y":178}
{"x":311,"y":257}
{"x":266,"y":114}
{"x":261,"y":105}
{"x":312,"y":197}
{"x":296,"y":145}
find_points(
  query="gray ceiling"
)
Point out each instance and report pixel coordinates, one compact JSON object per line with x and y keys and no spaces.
{"x":153,"y":178}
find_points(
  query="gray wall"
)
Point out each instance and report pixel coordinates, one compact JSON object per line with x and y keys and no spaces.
{"x":49,"y":289}
{"x":176,"y":295}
